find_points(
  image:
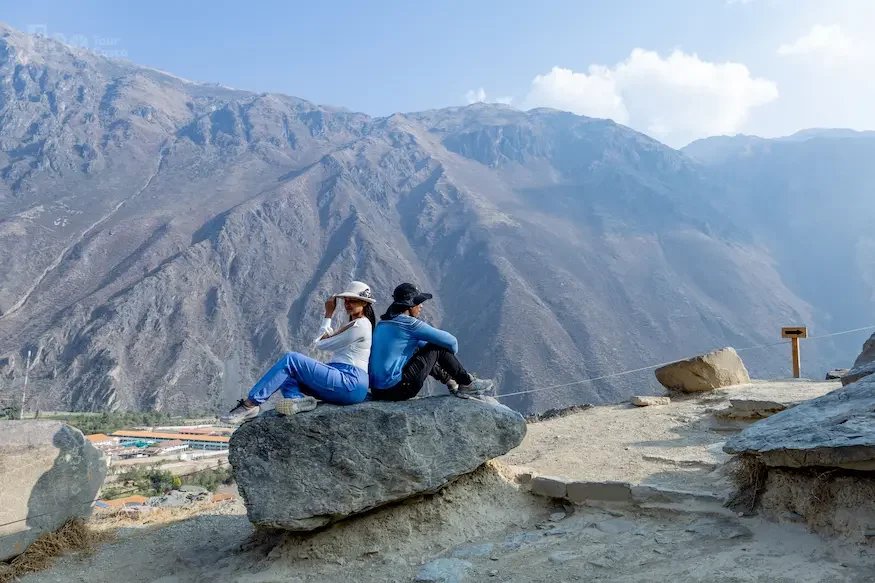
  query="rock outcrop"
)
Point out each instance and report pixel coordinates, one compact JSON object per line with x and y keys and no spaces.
{"x":49,"y":473}
{"x":305,"y":471}
{"x":760,"y":400}
{"x":868,"y":352}
{"x":864,"y":365}
{"x":648,"y":401}
{"x":858,"y":372}
{"x":721,"y":368}
{"x":837,"y":374}
{"x":835,"y":430}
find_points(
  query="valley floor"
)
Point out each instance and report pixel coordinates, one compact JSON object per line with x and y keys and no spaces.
{"x":486,"y":528}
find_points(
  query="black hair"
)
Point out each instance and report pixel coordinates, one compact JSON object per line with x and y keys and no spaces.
{"x":368,"y":312}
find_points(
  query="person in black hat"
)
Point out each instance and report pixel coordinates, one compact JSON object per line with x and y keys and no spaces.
{"x":406,"y":350}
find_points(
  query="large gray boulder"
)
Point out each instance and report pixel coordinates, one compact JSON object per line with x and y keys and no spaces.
{"x":835,"y":430}
{"x":721,"y":368}
{"x":49,"y":473}
{"x":308,"y":470}
{"x":864,"y":365}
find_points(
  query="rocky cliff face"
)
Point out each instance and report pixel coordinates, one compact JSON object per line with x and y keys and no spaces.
{"x":164,"y":241}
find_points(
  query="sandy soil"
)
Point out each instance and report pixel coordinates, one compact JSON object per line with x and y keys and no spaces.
{"x":486,"y":528}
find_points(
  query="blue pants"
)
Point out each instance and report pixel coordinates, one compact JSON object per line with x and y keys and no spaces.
{"x":297,"y":375}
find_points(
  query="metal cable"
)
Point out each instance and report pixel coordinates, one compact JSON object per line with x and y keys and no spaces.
{"x":655,"y":366}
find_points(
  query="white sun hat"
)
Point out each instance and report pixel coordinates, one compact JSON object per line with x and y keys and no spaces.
{"x":357,"y":290}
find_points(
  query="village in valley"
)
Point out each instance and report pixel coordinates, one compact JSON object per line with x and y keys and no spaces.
{"x":169,"y":462}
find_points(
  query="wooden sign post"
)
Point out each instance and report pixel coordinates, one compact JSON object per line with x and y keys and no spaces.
{"x":794,"y":334}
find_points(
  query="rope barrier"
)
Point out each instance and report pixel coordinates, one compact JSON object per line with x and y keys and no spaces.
{"x":655,"y":366}
{"x":89,"y":502}
{"x":840,"y":333}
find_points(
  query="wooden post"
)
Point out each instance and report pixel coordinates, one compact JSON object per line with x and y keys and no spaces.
{"x":797,"y":365}
{"x":794,"y":334}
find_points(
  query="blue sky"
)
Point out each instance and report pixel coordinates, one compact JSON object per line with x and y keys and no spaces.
{"x":703,"y":67}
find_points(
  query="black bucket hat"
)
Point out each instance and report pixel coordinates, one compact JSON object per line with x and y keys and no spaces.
{"x":405,"y":297}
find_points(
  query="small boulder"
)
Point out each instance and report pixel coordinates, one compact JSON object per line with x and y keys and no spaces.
{"x":836,"y":374}
{"x":311,"y":469}
{"x":864,"y":365}
{"x":858,"y":372}
{"x":835,"y":430}
{"x":50,"y":474}
{"x":649,"y":401}
{"x":721,"y":368}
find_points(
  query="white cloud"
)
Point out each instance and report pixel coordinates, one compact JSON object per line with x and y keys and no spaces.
{"x":593,"y":93}
{"x":676,"y":99}
{"x":475,"y":96}
{"x":479,"y":96}
{"x":825,"y":42}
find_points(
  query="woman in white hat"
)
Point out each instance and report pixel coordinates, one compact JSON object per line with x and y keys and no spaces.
{"x":302,"y":380}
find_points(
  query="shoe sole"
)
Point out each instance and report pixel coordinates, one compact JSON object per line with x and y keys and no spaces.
{"x":294,"y":408}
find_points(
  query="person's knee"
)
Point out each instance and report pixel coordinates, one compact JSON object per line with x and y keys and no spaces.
{"x":435,"y":347}
{"x":291,"y":359}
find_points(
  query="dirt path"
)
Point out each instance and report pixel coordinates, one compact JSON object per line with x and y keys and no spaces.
{"x":677,"y":446}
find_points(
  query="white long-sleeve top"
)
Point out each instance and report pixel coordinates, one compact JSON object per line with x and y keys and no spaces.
{"x":352,"y":346}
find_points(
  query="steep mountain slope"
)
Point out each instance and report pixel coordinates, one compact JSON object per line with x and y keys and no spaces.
{"x":164,"y":241}
{"x":810,"y":198}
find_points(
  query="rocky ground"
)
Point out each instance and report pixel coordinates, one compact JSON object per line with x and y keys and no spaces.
{"x":486,"y":527}
{"x":678,"y":446}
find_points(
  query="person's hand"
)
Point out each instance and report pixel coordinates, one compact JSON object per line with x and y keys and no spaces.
{"x":330,"y":305}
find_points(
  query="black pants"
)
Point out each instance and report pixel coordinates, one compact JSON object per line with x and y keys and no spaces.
{"x":432,"y":360}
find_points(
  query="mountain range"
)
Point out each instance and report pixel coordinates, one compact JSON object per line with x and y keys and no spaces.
{"x":164,"y":241}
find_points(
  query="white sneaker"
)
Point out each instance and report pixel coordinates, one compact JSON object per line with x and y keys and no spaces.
{"x":240,"y":414}
{"x":453,"y":386}
{"x":477,"y":388}
{"x":297,"y":405}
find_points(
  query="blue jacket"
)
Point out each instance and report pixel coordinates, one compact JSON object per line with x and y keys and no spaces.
{"x":395,"y":341}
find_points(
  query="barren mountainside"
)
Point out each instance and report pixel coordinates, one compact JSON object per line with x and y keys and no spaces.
{"x":164,"y":241}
